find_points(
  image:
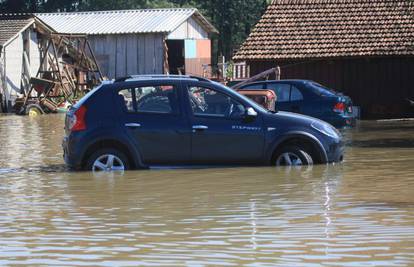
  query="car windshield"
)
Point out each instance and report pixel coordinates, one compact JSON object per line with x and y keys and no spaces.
{"x":321,"y":90}
{"x":248,"y":100}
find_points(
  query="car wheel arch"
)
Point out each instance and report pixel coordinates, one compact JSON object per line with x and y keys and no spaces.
{"x":301,"y":139}
{"x":133,"y":156}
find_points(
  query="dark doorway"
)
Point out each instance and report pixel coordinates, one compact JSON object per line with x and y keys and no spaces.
{"x":176,"y":60}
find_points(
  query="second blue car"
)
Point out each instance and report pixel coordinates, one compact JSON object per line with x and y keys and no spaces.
{"x":309,"y":98}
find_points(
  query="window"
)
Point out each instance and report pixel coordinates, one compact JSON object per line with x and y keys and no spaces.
{"x":208,"y":102}
{"x":282,"y":91}
{"x":285,"y":92}
{"x":321,"y":90}
{"x":295,"y":94}
{"x":254,"y":86}
{"x":149,"y":99}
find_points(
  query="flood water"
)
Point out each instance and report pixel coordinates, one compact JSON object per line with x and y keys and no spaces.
{"x":359,"y":213}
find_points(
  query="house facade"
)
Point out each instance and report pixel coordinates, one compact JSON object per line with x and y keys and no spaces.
{"x":150,"y":41}
{"x":362,"y":48}
{"x":21,"y":36}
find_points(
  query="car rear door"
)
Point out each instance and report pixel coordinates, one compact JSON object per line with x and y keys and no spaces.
{"x":153,"y":116}
{"x":219,"y":132}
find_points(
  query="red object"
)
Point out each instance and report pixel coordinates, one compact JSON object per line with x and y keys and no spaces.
{"x":80,"y":123}
{"x":339,"y":107}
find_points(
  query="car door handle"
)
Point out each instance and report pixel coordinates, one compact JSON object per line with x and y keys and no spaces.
{"x":199,"y":127}
{"x":132,"y":125}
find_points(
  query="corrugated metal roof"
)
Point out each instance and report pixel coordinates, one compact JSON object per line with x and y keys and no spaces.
{"x":123,"y":21}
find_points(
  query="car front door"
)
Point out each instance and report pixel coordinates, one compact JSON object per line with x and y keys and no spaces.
{"x":220,"y":131}
{"x":153,"y":116}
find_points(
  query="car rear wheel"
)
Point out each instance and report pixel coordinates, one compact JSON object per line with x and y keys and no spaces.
{"x":292,"y":156}
{"x":107,"y":160}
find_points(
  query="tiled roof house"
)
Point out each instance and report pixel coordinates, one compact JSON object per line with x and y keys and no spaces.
{"x":362,"y":47}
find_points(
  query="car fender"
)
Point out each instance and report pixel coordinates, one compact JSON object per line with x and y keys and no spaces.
{"x":120,"y":137}
{"x":295,"y":134}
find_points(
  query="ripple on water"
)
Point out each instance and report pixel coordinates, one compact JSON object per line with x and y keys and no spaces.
{"x":360,"y":213}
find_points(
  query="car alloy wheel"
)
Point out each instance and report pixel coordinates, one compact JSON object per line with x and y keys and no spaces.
{"x":288,"y":159}
{"x":293,"y":156}
{"x":108,"y":163}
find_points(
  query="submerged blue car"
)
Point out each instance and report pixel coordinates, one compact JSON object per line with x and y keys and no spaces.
{"x":141,"y":121}
{"x":309,"y":98}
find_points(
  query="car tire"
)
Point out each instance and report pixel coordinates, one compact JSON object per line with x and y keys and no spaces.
{"x":292,"y":156}
{"x":107,"y":159}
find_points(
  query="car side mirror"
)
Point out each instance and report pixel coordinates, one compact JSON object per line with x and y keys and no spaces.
{"x":250,"y":112}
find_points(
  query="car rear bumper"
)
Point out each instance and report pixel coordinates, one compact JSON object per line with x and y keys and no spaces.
{"x":72,"y":160}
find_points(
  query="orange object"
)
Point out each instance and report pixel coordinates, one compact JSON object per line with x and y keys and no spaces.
{"x":203,"y":49}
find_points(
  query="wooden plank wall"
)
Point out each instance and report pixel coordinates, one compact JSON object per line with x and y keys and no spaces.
{"x":128,"y":54}
{"x":380,"y":86}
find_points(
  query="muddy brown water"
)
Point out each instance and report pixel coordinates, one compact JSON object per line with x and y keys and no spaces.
{"x":359,"y":213}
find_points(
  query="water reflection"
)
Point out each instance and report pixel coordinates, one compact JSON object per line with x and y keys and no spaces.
{"x":353,"y":214}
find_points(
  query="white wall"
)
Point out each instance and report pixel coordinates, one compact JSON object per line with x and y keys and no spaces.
{"x":34,"y":53}
{"x":13,"y":54}
{"x":12,"y":59}
{"x":189,"y":29}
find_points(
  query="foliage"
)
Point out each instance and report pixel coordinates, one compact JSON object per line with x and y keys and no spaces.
{"x":233,"y":18}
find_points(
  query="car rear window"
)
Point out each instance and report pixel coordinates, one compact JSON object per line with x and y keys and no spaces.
{"x":321,"y":90}
{"x":85,"y":97}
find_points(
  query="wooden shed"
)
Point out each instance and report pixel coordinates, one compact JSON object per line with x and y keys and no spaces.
{"x":360,"y":47}
{"x":149,"y":41}
{"x":20,"y":36}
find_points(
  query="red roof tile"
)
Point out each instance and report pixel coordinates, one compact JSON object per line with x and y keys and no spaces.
{"x":294,"y":29}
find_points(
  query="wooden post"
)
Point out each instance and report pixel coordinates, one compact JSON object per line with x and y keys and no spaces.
{"x":277,"y":73}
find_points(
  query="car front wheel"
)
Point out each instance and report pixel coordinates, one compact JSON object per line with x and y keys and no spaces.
{"x":107,"y":160}
{"x":293,"y":156}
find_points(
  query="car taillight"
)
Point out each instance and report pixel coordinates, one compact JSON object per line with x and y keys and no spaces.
{"x":76,"y":121}
{"x":339,"y":107}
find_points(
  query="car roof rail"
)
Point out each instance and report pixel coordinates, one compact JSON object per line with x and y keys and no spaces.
{"x":171,"y":76}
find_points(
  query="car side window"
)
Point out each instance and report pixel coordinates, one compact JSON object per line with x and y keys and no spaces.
{"x":285,"y":92}
{"x":295,"y":94}
{"x":253,"y":86}
{"x":282,"y":91}
{"x":149,"y":99}
{"x":209,"y":102}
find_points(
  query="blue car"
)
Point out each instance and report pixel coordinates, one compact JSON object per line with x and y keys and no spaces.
{"x":309,"y":98}
{"x":141,"y":121}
